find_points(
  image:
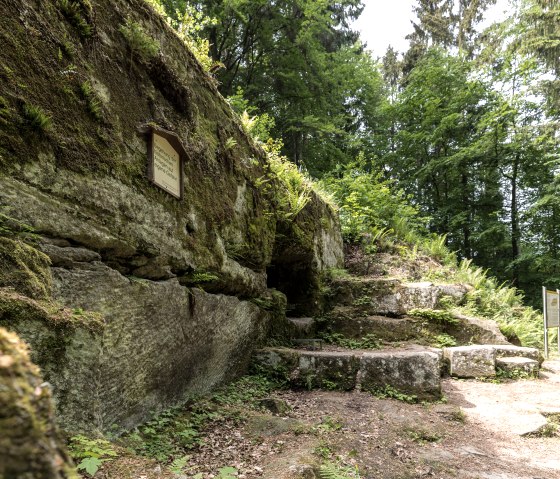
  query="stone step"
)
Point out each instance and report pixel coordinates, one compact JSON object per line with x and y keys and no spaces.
{"x":391,"y":296}
{"x":510,"y":350}
{"x":479,"y":361}
{"x":414,"y":372}
{"x":518,"y":364}
{"x":352,"y":322}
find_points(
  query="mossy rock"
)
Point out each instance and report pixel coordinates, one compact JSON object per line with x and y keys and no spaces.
{"x":15,"y":308}
{"x":24,"y":268}
{"x":30,"y":445}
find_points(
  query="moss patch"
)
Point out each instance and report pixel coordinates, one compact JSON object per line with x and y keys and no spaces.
{"x":15,"y":307}
{"x":30,"y":446}
{"x":24,"y":268}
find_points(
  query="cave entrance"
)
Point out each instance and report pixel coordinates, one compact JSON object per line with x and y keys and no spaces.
{"x":297,"y":279}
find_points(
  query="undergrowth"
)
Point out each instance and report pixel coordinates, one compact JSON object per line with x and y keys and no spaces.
{"x":499,"y":302}
{"x":437,"y":316}
{"x":90,"y":454}
{"x":333,"y":470}
{"x":389,"y":392}
{"x":369,"y":341}
{"x":140,"y":43}
{"x":171,"y":434}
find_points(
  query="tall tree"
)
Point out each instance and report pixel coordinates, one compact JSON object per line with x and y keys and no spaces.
{"x":440,"y":159}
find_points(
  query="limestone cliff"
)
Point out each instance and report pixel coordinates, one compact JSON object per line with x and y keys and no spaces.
{"x":130,"y":298}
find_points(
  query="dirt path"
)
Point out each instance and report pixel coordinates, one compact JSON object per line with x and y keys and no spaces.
{"x":476,"y":434}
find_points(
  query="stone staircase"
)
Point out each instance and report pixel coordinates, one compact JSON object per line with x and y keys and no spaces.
{"x":405,"y":362}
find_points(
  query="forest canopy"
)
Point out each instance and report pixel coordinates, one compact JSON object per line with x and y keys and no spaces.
{"x":462,"y":127}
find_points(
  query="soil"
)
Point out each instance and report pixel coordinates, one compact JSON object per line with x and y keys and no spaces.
{"x":483,"y":430}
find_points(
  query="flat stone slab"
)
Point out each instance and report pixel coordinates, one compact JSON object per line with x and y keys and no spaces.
{"x":503,"y":350}
{"x":518,"y":363}
{"x":471,"y":361}
{"x":415,"y":373}
{"x":412,"y":372}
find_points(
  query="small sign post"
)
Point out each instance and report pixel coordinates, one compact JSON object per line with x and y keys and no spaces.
{"x":551,"y":315}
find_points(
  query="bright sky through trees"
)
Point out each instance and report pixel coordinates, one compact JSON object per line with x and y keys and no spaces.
{"x":385,"y":23}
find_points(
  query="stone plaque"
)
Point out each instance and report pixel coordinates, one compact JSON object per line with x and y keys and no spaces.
{"x":166,"y":156}
{"x":167,"y":166}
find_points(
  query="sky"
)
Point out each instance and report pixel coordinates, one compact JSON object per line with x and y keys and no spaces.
{"x":387,"y":22}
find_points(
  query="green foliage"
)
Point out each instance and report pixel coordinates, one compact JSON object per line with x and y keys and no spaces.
{"x":168,"y":434}
{"x":141,"y":44}
{"x":91,"y":453}
{"x":172,"y":433}
{"x":79,"y":14}
{"x":245,"y":391}
{"x":93,"y":103}
{"x":423,"y":436}
{"x":437,"y":316}
{"x":188,"y":22}
{"x":444,"y":341}
{"x":369,"y":207}
{"x":369,"y":341}
{"x":227,"y":472}
{"x":326,"y":90}
{"x":295,"y":188}
{"x":389,"y":392}
{"x":36,"y":119}
{"x":179,"y":464}
{"x":330,"y":470}
{"x":323,"y":450}
{"x":514,"y":374}
{"x":198,"y":277}
{"x":328,"y":424}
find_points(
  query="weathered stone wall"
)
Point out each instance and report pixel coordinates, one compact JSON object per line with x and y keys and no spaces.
{"x":125,"y":328}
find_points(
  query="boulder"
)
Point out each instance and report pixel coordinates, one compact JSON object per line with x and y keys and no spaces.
{"x":470,"y":330}
{"x":471,"y":361}
{"x":30,"y":444}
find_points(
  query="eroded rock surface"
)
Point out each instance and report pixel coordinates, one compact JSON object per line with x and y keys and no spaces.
{"x":30,"y":445}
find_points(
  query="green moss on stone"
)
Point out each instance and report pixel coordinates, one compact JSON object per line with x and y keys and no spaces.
{"x":24,"y":268}
{"x":15,"y":308}
{"x":30,"y":445}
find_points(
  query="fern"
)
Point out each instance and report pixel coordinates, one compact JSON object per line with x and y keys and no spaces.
{"x":334,"y":471}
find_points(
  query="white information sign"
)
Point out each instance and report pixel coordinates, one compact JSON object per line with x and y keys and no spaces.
{"x":166,"y":166}
{"x":551,"y":315}
{"x":552,"y":309}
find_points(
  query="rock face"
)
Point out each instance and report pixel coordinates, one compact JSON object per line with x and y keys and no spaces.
{"x":147,"y":297}
{"x":30,"y":445}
